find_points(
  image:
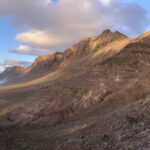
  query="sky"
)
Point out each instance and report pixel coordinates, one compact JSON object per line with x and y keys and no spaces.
{"x":32,"y":28}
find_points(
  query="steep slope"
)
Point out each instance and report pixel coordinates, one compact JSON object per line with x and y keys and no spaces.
{"x":94,"y":99}
{"x":48,"y":61}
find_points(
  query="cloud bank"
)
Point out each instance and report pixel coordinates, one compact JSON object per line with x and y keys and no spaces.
{"x":27,"y":50}
{"x":50,"y":27}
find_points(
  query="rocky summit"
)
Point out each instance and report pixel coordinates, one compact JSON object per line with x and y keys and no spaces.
{"x":93,"y":96}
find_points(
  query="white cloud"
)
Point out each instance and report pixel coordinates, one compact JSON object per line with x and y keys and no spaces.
{"x":105,"y":2}
{"x":25,"y":49}
{"x":37,"y":38}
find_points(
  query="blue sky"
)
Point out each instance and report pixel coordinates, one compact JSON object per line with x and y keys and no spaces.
{"x":143,"y":3}
{"x":7,"y":40}
{"x":29,"y":29}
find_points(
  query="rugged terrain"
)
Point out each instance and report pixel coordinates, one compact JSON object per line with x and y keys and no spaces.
{"x":95,"y":95}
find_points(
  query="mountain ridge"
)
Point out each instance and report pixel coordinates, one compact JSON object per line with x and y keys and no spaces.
{"x":50,"y":62}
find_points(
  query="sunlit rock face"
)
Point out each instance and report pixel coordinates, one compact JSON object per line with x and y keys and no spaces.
{"x":47,"y":61}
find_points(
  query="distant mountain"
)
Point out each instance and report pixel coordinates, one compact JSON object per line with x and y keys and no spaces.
{"x":12,"y":73}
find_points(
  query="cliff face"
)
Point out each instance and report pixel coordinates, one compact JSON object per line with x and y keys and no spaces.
{"x":48,"y":61}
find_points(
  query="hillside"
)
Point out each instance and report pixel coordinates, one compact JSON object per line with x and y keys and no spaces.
{"x":94,"y":95}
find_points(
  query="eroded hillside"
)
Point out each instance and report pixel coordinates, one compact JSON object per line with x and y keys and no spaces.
{"x":94,"y":95}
